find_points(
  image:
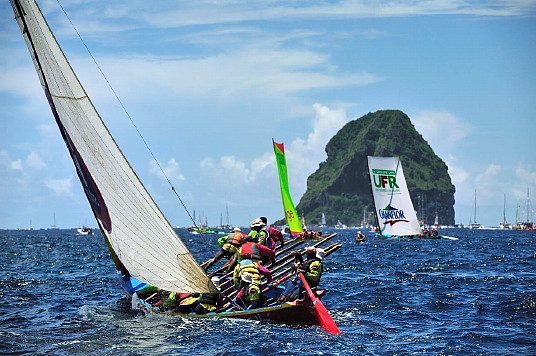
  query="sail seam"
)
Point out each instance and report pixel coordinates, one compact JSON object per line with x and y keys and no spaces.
{"x":69,"y":97}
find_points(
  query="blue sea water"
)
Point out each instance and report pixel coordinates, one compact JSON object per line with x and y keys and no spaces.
{"x":474,"y":296}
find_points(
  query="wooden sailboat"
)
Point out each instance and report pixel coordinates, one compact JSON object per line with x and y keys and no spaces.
{"x":145,"y":248}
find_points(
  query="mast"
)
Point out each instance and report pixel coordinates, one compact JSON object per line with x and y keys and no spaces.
{"x":517,"y":212}
{"x":504,"y":210}
{"x":475,"y":207}
{"x":529,"y":217}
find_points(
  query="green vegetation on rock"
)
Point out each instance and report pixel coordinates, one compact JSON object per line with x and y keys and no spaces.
{"x":340,"y":188}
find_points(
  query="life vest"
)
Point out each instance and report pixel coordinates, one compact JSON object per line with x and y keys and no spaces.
{"x":209,"y":298}
{"x":262,"y":237}
{"x":236,"y":239}
{"x":250,"y":267}
{"x":276,"y":234}
{"x":256,"y":251}
{"x":313,"y":271}
{"x":189,"y":300}
{"x":252,"y":249}
{"x":229,"y":247}
{"x":253,"y":292}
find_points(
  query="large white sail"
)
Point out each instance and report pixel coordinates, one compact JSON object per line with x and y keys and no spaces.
{"x":394,"y":208}
{"x":141,"y":240}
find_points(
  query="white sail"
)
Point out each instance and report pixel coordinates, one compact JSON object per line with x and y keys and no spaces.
{"x":394,"y":208}
{"x":141,"y":240}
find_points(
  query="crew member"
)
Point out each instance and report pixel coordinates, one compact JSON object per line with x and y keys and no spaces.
{"x":311,"y":269}
{"x":233,"y":242}
{"x":275,"y":234}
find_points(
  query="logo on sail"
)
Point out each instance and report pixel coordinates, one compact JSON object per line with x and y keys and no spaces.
{"x":385,"y":180}
{"x":392,"y":215}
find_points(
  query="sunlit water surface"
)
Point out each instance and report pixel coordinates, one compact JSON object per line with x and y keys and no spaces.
{"x":475,"y":296}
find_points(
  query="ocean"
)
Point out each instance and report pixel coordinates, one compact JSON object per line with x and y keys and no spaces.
{"x":59,"y":295}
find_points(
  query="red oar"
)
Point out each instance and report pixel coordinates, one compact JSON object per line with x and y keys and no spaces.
{"x":322,"y":313}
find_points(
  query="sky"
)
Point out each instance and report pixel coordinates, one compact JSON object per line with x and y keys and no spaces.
{"x":209,"y":84}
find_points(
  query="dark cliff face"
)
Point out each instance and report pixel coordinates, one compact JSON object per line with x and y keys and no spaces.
{"x":340,"y":188}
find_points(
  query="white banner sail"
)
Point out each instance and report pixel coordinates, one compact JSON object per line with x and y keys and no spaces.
{"x":393,"y":205}
{"x":140,"y":238}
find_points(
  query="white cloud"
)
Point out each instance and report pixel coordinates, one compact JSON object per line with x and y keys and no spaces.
{"x":16,"y":164}
{"x":525,"y":174}
{"x":525,"y":179}
{"x":60,"y":187}
{"x":171,"y":170}
{"x":242,"y":73}
{"x":208,"y":12}
{"x":35,"y":161}
{"x":122,"y":15}
{"x":7,"y":164}
{"x":487,"y":182}
{"x":307,"y":154}
{"x":441,"y":129}
{"x":458,"y":175}
{"x":303,"y":157}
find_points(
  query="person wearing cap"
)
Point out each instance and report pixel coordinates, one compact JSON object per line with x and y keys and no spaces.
{"x":259,"y":233}
{"x":312,"y":271}
{"x":254,"y":268}
{"x":247,"y":277}
{"x":250,"y":294}
{"x":312,"y":266}
{"x":232,"y":243}
{"x":275,"y":234}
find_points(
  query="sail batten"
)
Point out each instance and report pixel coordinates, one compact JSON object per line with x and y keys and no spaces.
{"x":393,"y":206}
{"x":134,"y":228}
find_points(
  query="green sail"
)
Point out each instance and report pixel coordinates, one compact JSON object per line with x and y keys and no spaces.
{"x":291,"y":215}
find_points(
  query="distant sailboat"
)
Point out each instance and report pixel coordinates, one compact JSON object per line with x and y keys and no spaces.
{"x":364,"y":221}
{"x":54,"y":226}
{"x":528,"y":224}
{"x":504,"y":224}
{"x":394,"y":210}
{"x":474,"y":224}
{"x":340,"y":225}
{"x":395,"y":215}
{"x":85,"y":230}
{"x":323,"y":220}
{"x":29,"y":228}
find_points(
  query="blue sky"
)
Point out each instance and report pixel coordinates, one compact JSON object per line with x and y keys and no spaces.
{"x":210,"y":84}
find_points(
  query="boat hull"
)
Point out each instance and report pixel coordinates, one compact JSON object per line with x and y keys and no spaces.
{"x":298,"y":312}
{"x":408,"y":237}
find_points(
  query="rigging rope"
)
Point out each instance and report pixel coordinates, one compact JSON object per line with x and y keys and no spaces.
{"x":128,"y":115}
